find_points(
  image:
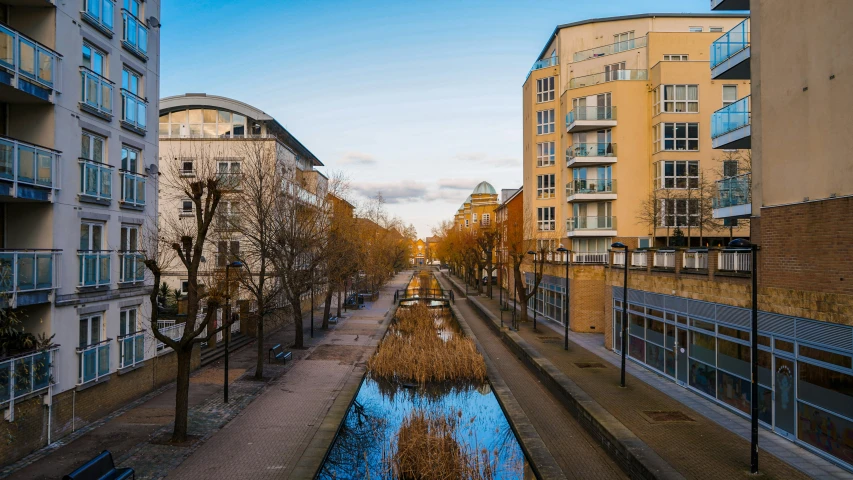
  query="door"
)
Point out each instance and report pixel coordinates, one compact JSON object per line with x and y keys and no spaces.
{"x":784,"y":404}
{"x":681,"y":358}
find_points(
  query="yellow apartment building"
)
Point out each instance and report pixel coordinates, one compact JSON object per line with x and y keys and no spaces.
{"x":478,"y":210}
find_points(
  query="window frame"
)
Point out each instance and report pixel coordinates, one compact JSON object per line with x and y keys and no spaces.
{"x":546,"y":219}
{"x":662,"y":102}
{"x":545,"y":89}
{"x":545,"y":121}
{"x":723,"y":93}
{"x":676,"y":208}
{"x":690,"y":182}
{"x":671,"y":57}
{"x":660,"y":140}
{"x":546,"y":186}
{"x":546,"y":159}
{"x":101,"y":17}
{"x":103,"y":171}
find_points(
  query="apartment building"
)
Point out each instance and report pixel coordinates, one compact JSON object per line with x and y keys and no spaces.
{"x":78,"y":90}
{"x":478,"y":210}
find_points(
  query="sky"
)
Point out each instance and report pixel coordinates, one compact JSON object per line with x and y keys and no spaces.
{"x":417,"y":100}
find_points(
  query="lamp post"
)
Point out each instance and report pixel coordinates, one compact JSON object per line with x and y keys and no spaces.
{"x":535,"y":293}
{"x":624,"y":310}
{"x":235,"y":264}
{"x":566,"y":300}
{"x":741,"y":243}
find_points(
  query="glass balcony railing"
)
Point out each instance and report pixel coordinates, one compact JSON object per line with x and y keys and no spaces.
{"x":26,"y":374}
{"x":731,"y":117}
{"x":24,"y":59}
{"x":24,"y":163}
{"x":734,"y":41}
{"x":591,"y":186}
{"x":591,"y":150}
{"x":94,"y":267}
{"x":131,"y":349}
{"x":133,"y":110}
{"x":591,"y":113}
{"x":733,"y":191}
{"x":609,"y":76}
{"x":97,"y":92}
{"x":27,"y":270}
{"x":131,"y":266}
{"x":610,"y":49}
{"x":94,"y":361}
{"x":134,"y":34}
{"x":132,"y":188}
{"x":95,"y":179}
{"x":590,"y":223}
{"x":545,"y":63}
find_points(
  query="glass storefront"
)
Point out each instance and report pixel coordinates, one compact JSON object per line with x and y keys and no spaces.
{"x":805,"y":389}
{"x":548,"y":302}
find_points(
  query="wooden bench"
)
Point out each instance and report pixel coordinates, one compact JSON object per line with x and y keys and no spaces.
{"x":279,"y":354}
{"x":100,"y":468}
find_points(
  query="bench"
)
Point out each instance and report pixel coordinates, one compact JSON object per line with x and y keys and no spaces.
{"x":279,"y":354}
{"x":333,"y":319}
{"x":100,"y":467}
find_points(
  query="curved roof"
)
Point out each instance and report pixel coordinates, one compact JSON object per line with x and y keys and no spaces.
{"x":467,"y":200}
{"x":484,"y":188}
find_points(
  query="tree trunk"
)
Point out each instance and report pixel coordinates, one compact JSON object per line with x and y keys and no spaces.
{"x":259,"y":366}
{"x":327,"y":309}
{"x":299,"y":336}
{"x":182,"y":395}
{"x":340,"y":292}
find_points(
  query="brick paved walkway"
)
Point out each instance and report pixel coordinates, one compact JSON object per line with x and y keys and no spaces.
{"x":701,"y":448}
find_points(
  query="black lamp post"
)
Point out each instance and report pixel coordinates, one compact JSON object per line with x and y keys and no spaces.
{"x":535,"y":293}
{"x":624,"y":310}
{"x":227,"y":332}
{"x":741,"y":243}
{"x":566,"y":300}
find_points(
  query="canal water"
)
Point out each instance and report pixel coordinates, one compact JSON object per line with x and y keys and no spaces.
{"x":366,"y":440}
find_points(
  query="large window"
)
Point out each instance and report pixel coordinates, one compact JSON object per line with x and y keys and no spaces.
{"x":679,"y":212}
{"x":94,"y":261}
{"x":545,"y":219}
{"x":131,"y":259}
{"x":202,"y":123}
{"x":545,"y":154}
{"x":227,"y":251}
{"x":95,"y":174}
{"x":676,"y":99}
{"x":681,"y":174}
{"x":100,"y":12}
{"x":545,"y":187}
{"x":675,"y":58}
{"x":96,"y":90}
{"x":676,"y":137}
{"x":94,"y":59}
{"x":132,"y":183}
{"x":545,"y":122}
{"x":134,"y":32}
{"x":133,"y":108}
{"x":545,"y":89}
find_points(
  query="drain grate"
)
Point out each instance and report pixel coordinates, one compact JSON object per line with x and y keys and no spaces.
{"x":666,"y":416}
{"x":589,"y":365}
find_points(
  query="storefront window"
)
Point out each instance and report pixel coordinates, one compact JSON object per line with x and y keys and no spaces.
{"x":824,"y":356}
{"x":637,"y":348}
{"x":732,"y":332}
{"x":655,"y":356}
{"x":825,"y":388}
{"x":734,"y":391}
{"x":784,"y":346}
{"x":655,"y":332}
{"x":703,"y":347}
{"x":734,"y":357}
{"x":637,"y":325}
{"x":703,"y":377}
{"x":825,"y":431}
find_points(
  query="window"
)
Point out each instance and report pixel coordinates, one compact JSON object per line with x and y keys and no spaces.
{"x":545,"y":186}
{"x":185,"y":286}
{"x":129,"y":159}
{"x":131,"y":266}
{"x":228,"y":172}
{"x":611,"y":72}
{"x":186,"y":208}
{"x":94,"y":262}
{"x":678,"y":174}
{"x":197,"y":123}
{"x":545,"y":217}
{"x":227,"y":251}
{"x":94,"y":59}
{"x":677,"y":99}
{"x":715,"y":29}
{"x":91,"y":236}
{"x":128,"y":321}
{"x":134,"y":32}
{"x":622,"y":41}
{"x":545,"y":122}
{"x":100,"y":12}
{"x":591,"y":245}
{"x":487,"y":219}
{"x":695,"y":29}
{"x":95,"y":175}
{"x":187,"y":167}
{"x":466,"y":223}
{"x":545,"y":89}
{"x":474,"y":217}
{"x":679,"y":212}
{"x":675,"y":58}
{"x":730,"y":168}
{"x":96,"y":91}
{"x":91,"y":330}
{"x":132,"y":184}
{"x":545,"y":154}
{"x":676,"y":136}
{"x":729,"y":94}
{"x":133,"y":107}
{"x":546,"y":245}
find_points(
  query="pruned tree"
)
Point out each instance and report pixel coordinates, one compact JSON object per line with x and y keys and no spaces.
{"x":341,"y":246}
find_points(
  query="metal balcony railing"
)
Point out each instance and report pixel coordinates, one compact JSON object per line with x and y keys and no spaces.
{"x":545,"y":63}
{"x":695,"y":260}
{"x":26,"y":164}
{"x":619,"y":259}
{"x":96,"y":179}
{"x":27,"y":271}
{"x":133,"y":110}
{"x":732,"y":42}
{"x":590,"y":186}
{"x":639,"y":259}
{"x":26,"y":64}
{"x":664,"y":259}
{"x":591,"y":149}
{"x":131,"y":349}
{"x":590,"y":223}
{"x":731,"y":117}
{"x":134,"y":34}
{"x":591,"y":113}
{"x":131,"y":266}
{"x":26,"y":374}
{"x":94,"y":267}
{"x":174,"y":331}
{"x":738,"y":261}
{"x":610,"y":49}
{"x":733,"y":191}
{"x":97,"y":92}
{"x":610,"y":76}
{"x":132,"y":188}
{"x":100,"y":13}
{"x":94,"y":361}
{"x":589,"y":257}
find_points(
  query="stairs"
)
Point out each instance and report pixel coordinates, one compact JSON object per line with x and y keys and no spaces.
{"x":238,"y":341}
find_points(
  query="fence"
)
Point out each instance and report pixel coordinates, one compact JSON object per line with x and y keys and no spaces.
{"x":664,"y":259}
{"x":696,"y":260}
{"x":738,"y":261}
{"x":639,"y":259}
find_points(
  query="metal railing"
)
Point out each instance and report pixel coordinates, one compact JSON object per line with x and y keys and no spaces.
{"x":97,"y":92}
{"x":26,"y":374}
{"x":96,"y":179}
{"x":733,"y":191}
{"x":610,"y":49}
{"x":731,"y":117}
{"x":132,"y":188}
{"x":555,"y":257}
{"x":174,"y":331}
{"x":591,"y":150}
{"x":639,"y":259}
{"x":415,"y":293}
{"x":26,"y":60}
{"x":732,"y":42}
{"x":604,"y":77}
{"x":94,"y":361}
{"x":94,"y":267}
{"x":739,"y":261}
{"x":133,"y":109}
{"x":131,"y":266}
{"x":27,"y":164}
{"x":590,"y":113}
{"x":545,"y":63}
{"x":591,"y":186}
{"x":664,"y":259}
{"x":131,"y":349}
{"x":27,"y":271}
{"x":134,"y":33}
{"x":590,"y":223}
{"x":589,"y":257}
{"x":695,"y":260}
{"x":619,"y":258}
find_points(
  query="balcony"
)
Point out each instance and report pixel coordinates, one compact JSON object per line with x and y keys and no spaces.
{"x":610,"y":76}
{"x":131,"y":348}
{"x":734,"y":261}
{"x":131,"y":266}
{"x":617,"y":47}
{"x":28,"y":277}
{"x":725,"y":5}
{"x":94,"y":362}
{"x":591,"y":190}
{"x":618,"y":259}
{"x":590,"y":154}
{"x":27,"y":69}
{"x":134,"y":37}
{"x":172,"y":330}
{"x":591,"y":227}
{"x":26,"y":374}
{"x":730,"y":54}
{"x":734,"y":197}
{"x":664,"y":260}
{"x":696,"y":260}
{"x":731,"y":126}
{"x":582,"y":119}
{"x":640,"y":259}
{"x":589,"y":258}
{"x":28,"y":171}
{"x":94,"y":268}
{"x":96,"y":96}
{"x":133,"y":112}
{"x":545,"y":63}
{"x":132,"y":189}
{"x":96,"y":184}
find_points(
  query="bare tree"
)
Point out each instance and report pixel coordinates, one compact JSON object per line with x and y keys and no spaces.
{"x":341,"y":248}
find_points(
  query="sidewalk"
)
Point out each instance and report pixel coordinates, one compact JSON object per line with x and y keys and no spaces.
{"x":710,"y":443}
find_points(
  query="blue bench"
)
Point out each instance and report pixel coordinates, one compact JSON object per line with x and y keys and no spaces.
{"x":333,"y":319}
{"x":101,"y":468}
{"x":279,"y":354}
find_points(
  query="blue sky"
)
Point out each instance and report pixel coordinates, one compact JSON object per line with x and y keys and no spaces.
{"x":418,"y":100}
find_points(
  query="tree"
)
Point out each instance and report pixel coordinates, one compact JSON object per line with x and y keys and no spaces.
{"x":341,"y":248}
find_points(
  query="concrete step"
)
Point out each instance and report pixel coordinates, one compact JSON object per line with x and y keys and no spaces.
{"x":238,"y":341}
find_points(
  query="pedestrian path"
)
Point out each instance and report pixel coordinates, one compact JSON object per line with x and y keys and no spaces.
{"x":710,"y":442}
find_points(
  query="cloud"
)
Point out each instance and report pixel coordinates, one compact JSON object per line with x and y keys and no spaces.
{"x":393,"y":192}
{"x":457,"y":183}
{"x":484,"y":159}
{"x":357,"y":158}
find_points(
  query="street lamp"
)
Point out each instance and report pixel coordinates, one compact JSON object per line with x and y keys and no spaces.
{"x":624,"y":310}
{"x":535,"y":293}
{"x":741,"y":243}
{"x":227,"y":333}
{"x":566,"y":300}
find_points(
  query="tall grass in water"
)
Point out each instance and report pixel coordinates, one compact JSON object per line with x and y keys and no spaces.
{"x":413,"y":351}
